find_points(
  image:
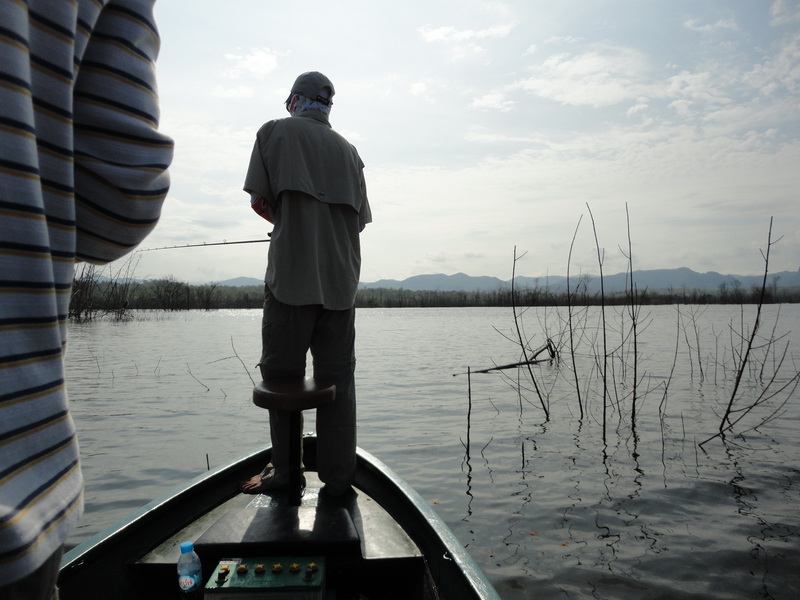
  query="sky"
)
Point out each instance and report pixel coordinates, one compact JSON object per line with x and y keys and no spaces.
{"x":567,"y":132}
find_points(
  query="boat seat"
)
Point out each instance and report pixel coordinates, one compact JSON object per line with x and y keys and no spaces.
{"x":294,"y":395}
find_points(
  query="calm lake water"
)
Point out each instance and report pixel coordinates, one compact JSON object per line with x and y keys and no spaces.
{"x":549,"y":508}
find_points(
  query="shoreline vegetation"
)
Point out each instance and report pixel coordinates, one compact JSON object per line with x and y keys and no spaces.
{"x":95,"y":293}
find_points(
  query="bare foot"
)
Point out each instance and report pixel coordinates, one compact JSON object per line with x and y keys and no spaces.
{"x":250,"y":485}
{"x":264,"y":483}
{"x":253,"y":485}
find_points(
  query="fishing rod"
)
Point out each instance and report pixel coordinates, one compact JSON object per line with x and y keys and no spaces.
{"x":222,"y":243}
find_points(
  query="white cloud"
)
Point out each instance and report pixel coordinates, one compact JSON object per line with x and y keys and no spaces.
{"x":698,"y":87}
{"x":467,"y":51}
{"x":602,"y":76}
{"x":450,"y":34}
{"x":498,"y":138}
{"x":259,"y":63}
{"x":637,"y":108}
{"x":681,"y":107}
{"x":783,"y":12}
{"x":498,"y":31}
{"x":497,"y":10}
{"x":440,"y":34}
{"x":418,"y":88}
{"x":464,"y":43}
{"x":721,"y":25}
{"x":240,"y":91}
{"x":563,"y":39}
{"x":779,"y":72}
{"x":492,"y":101}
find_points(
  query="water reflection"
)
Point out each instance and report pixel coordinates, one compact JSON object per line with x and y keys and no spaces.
{"x":606,"y":510}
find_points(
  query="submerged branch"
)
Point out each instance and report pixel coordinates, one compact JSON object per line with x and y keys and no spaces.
{"x":549,"y":346}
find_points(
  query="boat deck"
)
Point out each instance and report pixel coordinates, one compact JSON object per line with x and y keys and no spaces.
{"x":380,"y":535}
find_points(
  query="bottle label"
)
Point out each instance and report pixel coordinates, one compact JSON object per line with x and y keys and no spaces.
{"x":188,"y":582}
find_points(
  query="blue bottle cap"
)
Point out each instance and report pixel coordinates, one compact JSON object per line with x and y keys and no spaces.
{"x":187,"y":547}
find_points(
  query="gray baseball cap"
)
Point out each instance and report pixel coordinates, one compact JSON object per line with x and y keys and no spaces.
{"x":309,"y":84}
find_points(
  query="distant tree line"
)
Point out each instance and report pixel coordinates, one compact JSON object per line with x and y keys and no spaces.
{"x":93,"y":295}
{"x":527,"y":296}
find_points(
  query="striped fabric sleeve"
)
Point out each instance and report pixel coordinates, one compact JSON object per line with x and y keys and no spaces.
{"x":120,"y":157}
{"x":83,"y":174}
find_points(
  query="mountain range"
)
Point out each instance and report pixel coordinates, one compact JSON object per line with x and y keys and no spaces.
{"x":653,"y":280}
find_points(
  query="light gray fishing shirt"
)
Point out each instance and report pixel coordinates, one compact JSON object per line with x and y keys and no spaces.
{"x":313,"y":181}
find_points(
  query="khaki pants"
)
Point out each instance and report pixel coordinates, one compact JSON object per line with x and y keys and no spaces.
{"x":288,"y":333}
{"x":39,"y":585}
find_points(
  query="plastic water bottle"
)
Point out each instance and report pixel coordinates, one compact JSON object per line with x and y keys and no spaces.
{"x":190,"y":573}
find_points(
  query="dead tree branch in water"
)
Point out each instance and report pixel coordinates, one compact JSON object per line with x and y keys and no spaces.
{"x":189,"y":370}
{"x":551,"y":351}
{"x":734,"y":414}
{"x":604,"y":370}
{"x":753,"y":333}
{"x":569,"y":322}
{"x":633,"y":308}
{"x":523,"y":346}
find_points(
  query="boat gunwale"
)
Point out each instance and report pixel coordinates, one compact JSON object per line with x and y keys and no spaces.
{"x":456,"y":551}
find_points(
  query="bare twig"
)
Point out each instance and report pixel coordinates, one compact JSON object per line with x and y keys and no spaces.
{"x":756,"y":326}
{"x":522,"y":344}
{"x":632,"y":306}
{"x":189,"y":369}
{"x":604,"y":371}
{"x":569,"y":322}
{"x":241,"y":361}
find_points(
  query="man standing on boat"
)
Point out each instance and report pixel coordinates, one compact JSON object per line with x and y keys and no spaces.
{"x":308,"y":181}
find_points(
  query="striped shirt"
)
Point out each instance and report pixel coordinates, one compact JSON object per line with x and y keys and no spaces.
{"x":83,"y":175}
